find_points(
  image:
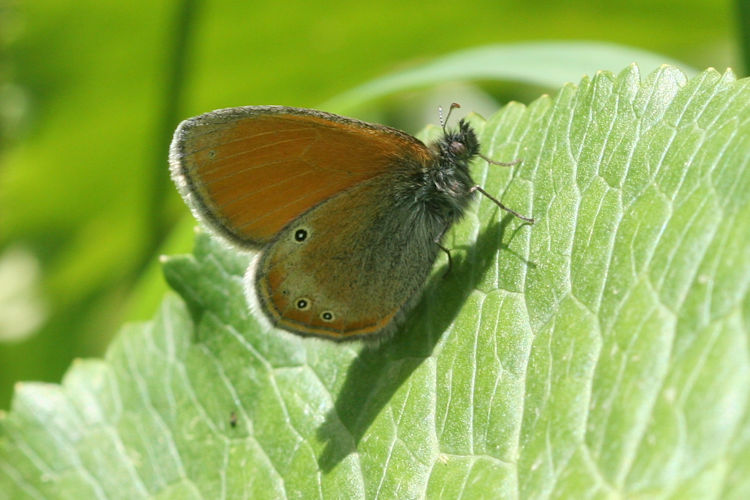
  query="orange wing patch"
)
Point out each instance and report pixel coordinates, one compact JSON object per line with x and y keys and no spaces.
{"x":249,"y":171}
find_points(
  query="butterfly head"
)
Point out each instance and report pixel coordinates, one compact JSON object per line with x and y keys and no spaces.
{"x":459,"y":146}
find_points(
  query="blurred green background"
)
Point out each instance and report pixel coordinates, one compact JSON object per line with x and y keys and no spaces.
{"x":91,"y":91}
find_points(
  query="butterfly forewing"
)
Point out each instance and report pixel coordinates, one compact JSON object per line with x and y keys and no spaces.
{"x":249,"y":171}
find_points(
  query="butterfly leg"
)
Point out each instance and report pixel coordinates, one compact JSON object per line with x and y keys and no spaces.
{"x":497,"y":202}
{"x":447,"y":252}
{"x":450,"y":260}
{"x":501,"y":163}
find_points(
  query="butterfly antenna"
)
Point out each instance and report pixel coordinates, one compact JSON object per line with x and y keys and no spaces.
{"x":443,"y":123}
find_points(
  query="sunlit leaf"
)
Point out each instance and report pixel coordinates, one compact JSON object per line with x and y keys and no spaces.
{"x":602,"y":352}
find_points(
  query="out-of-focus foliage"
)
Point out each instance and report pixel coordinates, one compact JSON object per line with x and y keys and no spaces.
{"x":89,"y":91}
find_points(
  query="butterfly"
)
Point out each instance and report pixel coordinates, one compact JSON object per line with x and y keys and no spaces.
{"x":347,"y":216}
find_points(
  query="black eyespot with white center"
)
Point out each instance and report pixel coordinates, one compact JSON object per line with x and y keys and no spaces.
{"x":302,"y":303}
{"x":327,"y":316}
{"x":300,"y":235}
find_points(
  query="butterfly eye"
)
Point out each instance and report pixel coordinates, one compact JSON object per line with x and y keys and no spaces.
{"x":300,"y":235}
{"x":302,"y":304}
{"x":326,"y":316}
{"x":458,"y":148}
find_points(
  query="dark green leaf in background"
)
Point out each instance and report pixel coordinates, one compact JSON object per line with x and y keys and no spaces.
{"x":601,"y":352}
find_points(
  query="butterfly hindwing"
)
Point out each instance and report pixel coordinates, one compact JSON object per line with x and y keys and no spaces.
{"x":348,"y":267}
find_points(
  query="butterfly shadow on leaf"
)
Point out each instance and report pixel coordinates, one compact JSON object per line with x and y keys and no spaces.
{"x":378,"y":372}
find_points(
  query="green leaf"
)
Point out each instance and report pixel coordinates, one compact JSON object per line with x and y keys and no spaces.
{"x":602,"y":351}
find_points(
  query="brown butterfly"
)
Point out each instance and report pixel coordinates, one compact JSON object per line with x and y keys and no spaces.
{"x":348,"y":216}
